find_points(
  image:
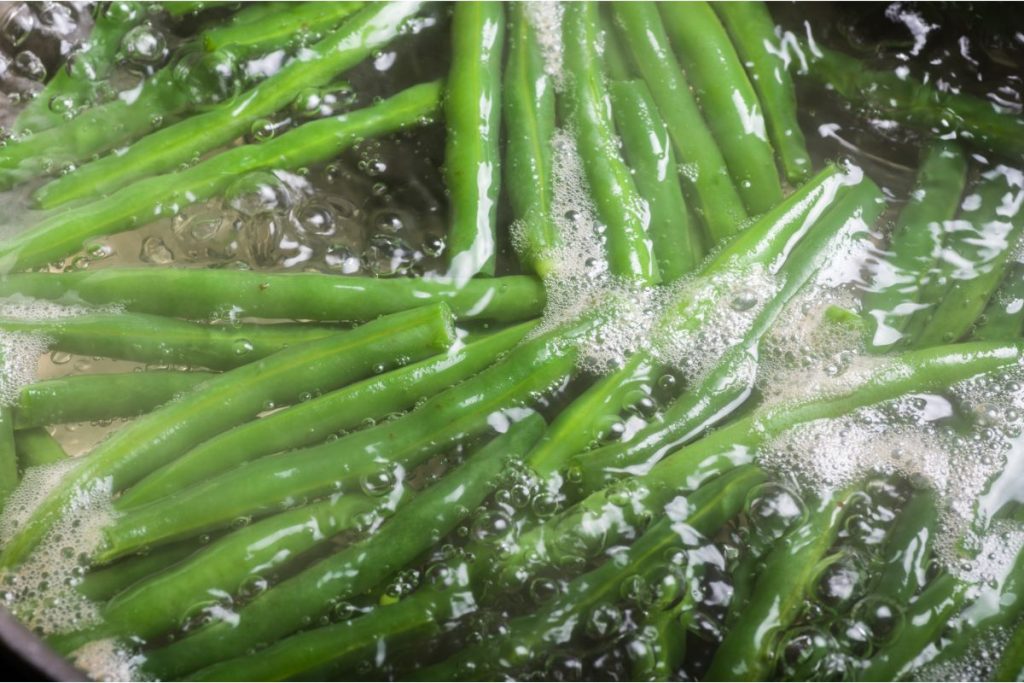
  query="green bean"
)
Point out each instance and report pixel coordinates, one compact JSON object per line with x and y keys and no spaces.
{"x":149,"y":199}
{"x":983,"y":242}
{"x":753,"y":35}
{"x":227,"y":293}
{"x":530,"y":637}
{"x":75,"y":85}
{"x":615,"y":59}
{"x":472,"y":155}
{"x":232,"y":398}
{"x":828,"y":209}
{"x":101,"y":584}
{"x":585,"y":106}
{"x":239,"y":561}
{"x":677,"y":248}
{"x":971,"y":120}
{"x":712,"y":193}
{"x":36,"y":447}
{"x":728,"y":99}
{"x":413,"y":529}
{"x":386,"y":450}
{"x":1003,"y":319}
{"x":591,"y":415}
{"x":748,"y":651}
{"x":156,"y":339}
{"x":908,"y":549}
{"x":371,"y":28}
{"x":907,"y":282}
{"x":1011,"y":662}
{"x":529,"y":102}
{"x":8,"y":455}
{"x":272,"y":29}
{"x":307,"y":423}
{"x":924,"y":620}
{"x":88,"y":398}
{"x":584,"y":525}
{"x":179,"y":8}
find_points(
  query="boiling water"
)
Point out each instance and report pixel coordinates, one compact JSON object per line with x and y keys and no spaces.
{"x":380,"y":210}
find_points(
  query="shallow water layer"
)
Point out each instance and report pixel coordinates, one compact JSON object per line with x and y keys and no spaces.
{"x":799,"y":457}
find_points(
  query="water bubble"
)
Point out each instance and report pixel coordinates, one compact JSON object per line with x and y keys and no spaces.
{"x":433,"y":245}
{"x":839,"y":582}
{"x":339,"y":257}
{"x":882,"y":617}
{"x":543,"y":590}
{"x":30,"y":65}
{"x":743,"y":300}
{"x":207,"y":77}
{"x":257,"y":193}
{"x":18,"y":24}
{"x":388,"y":255}
{"x":491,"y":526}
{"x":804,"y":653}
{"x":544,"y":505}
{"x":773,"y":509}
{"x":388,"y":221}
{"x":378,"y":483}
{"x":144,"y":46}
{"x":604,"y":622}
{"x":155,"y":251}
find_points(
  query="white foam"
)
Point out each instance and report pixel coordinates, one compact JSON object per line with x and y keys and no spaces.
{"x":546,"y":20}
{"x":106,"y":660}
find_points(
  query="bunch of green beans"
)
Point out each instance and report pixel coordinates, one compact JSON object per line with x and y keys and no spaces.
{"x":439,"y":477}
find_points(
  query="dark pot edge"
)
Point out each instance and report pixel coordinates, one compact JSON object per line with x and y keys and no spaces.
{"x":34,"y":651}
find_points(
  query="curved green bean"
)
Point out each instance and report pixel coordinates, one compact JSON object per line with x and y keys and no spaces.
{"x":712,"y":193}
{"x":232,"y":398}
{"x":677,"y":246}
{"x":1003,"y":318}
{"x":529,"y":104}
{"x":272,"y":29}
{"x":285,"y":608}
{"x":728,"y":99}
{"x":307,"y":423}
{"x":227,"y":293}
{"x":371,"y":28}
{"x":149,"y":199}
{"x":472,"y":158}
{"x":102,"y":583}
{"x":156,"y":339}
{"x":86,"y":398}
{"x":753,"y":35}
{"x":612,"y":187}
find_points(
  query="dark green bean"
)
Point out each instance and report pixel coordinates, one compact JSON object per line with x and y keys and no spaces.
{"x":753,"y":36}
{"x":712,"y":193}
{"x":730,"y":104}
{"x":235,"y":397}
{"x":227,"y":293}
{"x":612,"y":187}
{"x":1003,"y":318}
{"x":87,"y":398}
{"x":101,"y":584}
{"x":472,"y":158}
{"x":64,"y":233}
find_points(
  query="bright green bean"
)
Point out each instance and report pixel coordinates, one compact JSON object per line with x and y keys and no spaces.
{"x":285,"y":608}
{"x":712,"y":193}
{"x":1011,"y":663}
{"x":907,"y":281}
{"x":677,"y":247}
{"x":149,"y":199}
{"x":371,"y":28}
{"x":36,"y":447}
{"x":472,"y":158}
{"x":730,"y":104}
{"x":257,"y":488}
{"x":88,"y":398}
{"x":612,"y":187}
{"x":101,"y":584}
{"x":315,"y":420}
{"x":8,"y":455}
{"x":235,"y":397}
{"x":156,"y":339}
{"x":227,"y":293}
{"x":529,"y":102}
{"x":753,"y":35}
{"x":271,"y":30}
{"x":908,"y":549}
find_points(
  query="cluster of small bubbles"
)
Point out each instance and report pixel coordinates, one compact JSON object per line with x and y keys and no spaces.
{"x":809,"y":653}
{"x":108,"y":660}
{"x":840,"y":583}
{"x":977,"y":663}
{"x":773,"y":509}
{"x":546,"y":20}
{"x":404,"y":583}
